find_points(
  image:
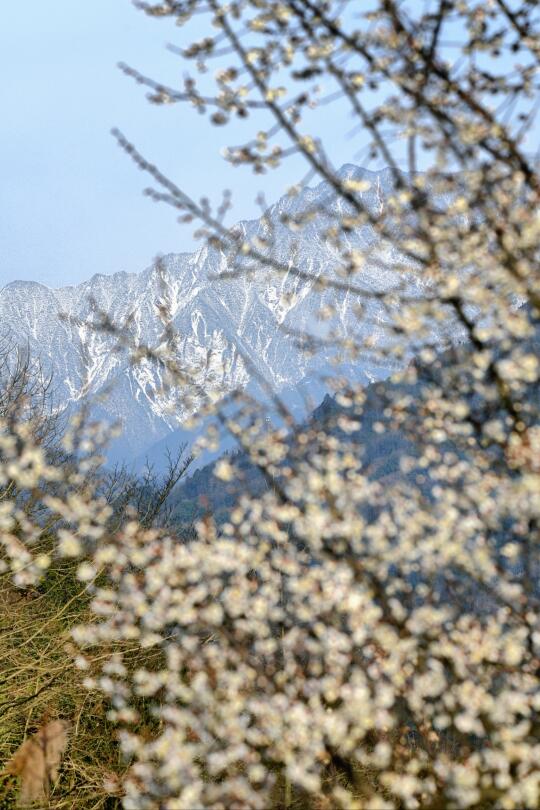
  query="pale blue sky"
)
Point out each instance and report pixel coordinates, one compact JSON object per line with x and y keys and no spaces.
{"x":70,"y":201}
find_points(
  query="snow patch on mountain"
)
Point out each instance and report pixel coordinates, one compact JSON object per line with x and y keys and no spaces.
{"x":218,"y":322}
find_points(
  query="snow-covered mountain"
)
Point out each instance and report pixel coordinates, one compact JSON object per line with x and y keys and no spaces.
{"x":228,"y":329}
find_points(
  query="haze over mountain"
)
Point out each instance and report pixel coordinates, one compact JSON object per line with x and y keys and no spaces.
{"x":219,"y":322}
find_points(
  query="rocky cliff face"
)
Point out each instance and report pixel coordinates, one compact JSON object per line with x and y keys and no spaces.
{"x":219,"y":322}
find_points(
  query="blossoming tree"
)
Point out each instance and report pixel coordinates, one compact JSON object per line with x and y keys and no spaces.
{"x":354,"y":636}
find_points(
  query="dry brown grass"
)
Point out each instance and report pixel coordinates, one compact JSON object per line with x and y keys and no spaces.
{"x":42,"y":689}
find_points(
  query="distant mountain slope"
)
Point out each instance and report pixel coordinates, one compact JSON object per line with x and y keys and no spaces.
{"x":218,"y":321}
{"x":379,"y":451}
{"x":377,"y":441}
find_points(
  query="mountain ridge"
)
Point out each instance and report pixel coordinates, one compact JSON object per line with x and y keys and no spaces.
{"x":219,"y":322}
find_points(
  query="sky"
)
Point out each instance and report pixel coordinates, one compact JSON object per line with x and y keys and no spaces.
{"x":71,"y":202}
